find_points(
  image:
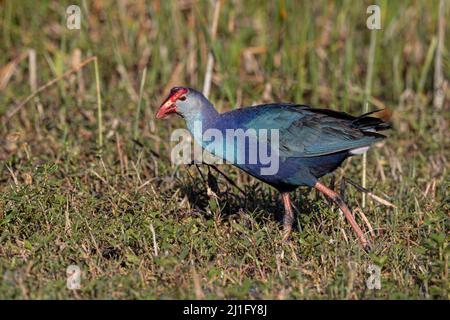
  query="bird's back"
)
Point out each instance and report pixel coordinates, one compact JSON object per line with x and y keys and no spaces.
{"x":312,"y":142}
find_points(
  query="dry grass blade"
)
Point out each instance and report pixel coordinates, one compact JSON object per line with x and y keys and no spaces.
{"x":8,"y":70}
{"x":99,"y":104}
{"x":366,"y":221}
{"x":210,"y":63}
{"x":138,"y":110}
{"x":371,"y":194}
{"x":438,"y":99}
{"x":367,"y":94}
{"x":155,"y":244}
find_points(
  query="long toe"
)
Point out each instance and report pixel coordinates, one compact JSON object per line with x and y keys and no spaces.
{"x":286,"y":233}
{"x":367,"y":247}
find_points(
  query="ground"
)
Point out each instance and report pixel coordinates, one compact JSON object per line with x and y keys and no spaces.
{"x":89,"y":182}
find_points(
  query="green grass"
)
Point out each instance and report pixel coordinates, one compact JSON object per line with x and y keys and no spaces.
{"x":110,"y":202}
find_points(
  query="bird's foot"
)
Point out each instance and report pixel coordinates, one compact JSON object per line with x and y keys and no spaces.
{"x":367,"y":246}
{"x":286,"y":234}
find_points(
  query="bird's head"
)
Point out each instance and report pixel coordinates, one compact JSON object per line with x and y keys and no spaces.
{"x":182,"y":101}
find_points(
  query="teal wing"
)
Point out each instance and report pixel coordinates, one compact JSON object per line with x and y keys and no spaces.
{"x":309,"y":132}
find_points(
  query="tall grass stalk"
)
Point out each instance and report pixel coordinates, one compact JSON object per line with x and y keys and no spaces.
{"x":367,"y":93}
{"x":138,"y":110}
{"x":421,"y":84}
{"x":99,"y":105}
{"x":210,"y":62}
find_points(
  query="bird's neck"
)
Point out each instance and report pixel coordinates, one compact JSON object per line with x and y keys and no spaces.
{"x":204,"y":118}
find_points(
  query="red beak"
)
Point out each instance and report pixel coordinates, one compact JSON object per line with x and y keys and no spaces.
{"x":166,"y":108}
{"x":169,"y":106}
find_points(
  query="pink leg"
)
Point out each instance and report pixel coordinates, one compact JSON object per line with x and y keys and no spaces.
{"x":288,"y":218}
{"x":338,"y":200}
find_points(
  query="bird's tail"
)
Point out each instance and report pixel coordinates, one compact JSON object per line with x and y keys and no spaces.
{"x":370,"y":124}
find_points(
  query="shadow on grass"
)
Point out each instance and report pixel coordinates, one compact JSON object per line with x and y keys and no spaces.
{"x":260,"y":201}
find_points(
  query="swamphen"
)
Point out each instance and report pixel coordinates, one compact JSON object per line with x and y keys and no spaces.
{"x":311,"y":142}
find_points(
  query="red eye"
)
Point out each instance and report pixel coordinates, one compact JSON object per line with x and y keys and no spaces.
{"x":182,"y":98}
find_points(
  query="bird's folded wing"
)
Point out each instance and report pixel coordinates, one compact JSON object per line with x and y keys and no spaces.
{"x":308,"y":132}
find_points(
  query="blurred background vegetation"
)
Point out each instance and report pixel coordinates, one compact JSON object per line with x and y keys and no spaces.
{"x":85,"y":176}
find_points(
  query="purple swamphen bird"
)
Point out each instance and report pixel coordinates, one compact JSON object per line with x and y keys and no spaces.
{"x":310,"y":142}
